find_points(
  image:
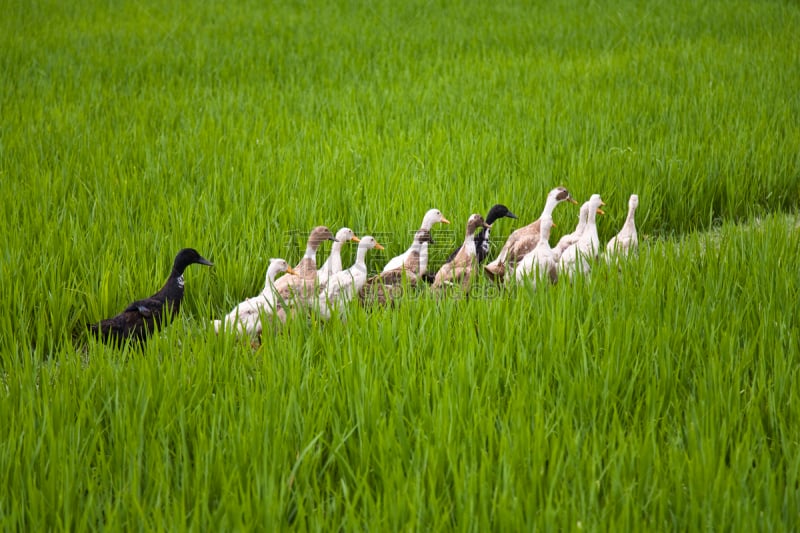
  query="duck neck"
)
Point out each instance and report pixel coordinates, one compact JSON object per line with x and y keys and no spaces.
{"x":423,"y":258}
{"x":469,"y":244}
{"x":174,"y":284}
{"x":335,"y":259}
{"x":178,"y":268}
{"x":361,"y":257}
{"x":549,"y":207}
{"x":544,"y":234}
{"x":173,"y":287}
{"x":581,"y":226}
{"x":590,"y":231}
{"x":483,"y":235}
{"x":311,"y":252}
{"x":629,"y":219}
{"x":272,"y":273}
{"x":177,"y":273}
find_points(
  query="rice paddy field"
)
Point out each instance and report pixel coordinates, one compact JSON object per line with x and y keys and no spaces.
{"x":659,"y":395}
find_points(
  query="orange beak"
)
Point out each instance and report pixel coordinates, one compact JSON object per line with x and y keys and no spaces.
{"x":378,"y":246}
{"x":290,"y":270}
{"x":445,"y":221}
{"x":355,"y":239}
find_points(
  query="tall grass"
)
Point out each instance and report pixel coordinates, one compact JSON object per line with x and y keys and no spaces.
{"x":658,"y":396}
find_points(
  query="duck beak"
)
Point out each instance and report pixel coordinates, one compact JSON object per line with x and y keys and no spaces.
{"x":600,"y":211}
{"x":487,"y":226}
{"x":355,"y":239}
{"x":512,"y":215}
{"x":572,"y":200}
{"x":555,"y":225}
{"x":290,"y":270}
{"x":378,"y":246}
{"x":206,"y":262}
{"x":445,"y":221}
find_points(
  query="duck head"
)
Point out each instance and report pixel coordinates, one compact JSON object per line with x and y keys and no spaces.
{"x":344,"y":235}
{"x":547,"y":224}
{"x":318,"y":235}
{"x":561,"y":194}
{"x":368,"y":243}
{"x":277,"y":265}
{"x":595,"y":202}
{"x":633,"y":202}
{"x":186,"y":257}
{"x":498,"y":211}
{"x":474,"y":222}
{"x":433,"y":216}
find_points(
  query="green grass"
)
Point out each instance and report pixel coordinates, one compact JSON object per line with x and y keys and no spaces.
{"x":662,"y":396}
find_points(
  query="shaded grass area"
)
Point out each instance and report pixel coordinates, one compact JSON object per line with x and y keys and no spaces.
{"x":658,"y":397}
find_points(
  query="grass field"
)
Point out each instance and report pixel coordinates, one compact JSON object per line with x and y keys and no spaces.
{"x":660,"y":396}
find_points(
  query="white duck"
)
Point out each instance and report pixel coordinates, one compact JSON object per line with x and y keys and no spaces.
{"x":626,"y":241}
{"x":345,"y":285}
{"x":571,"y":238}
{"x":466,"y":260}
{"x":433,"y":216}
{"x":578,"y":255}
{"x":525,"y":239}
{"x":539,"y":261}
{"x":333,"y":264}
{"x":245,"y":317}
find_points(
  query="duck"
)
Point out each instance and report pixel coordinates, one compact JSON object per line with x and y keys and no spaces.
{"x":461,"y":267}
{"x":626,"y":241}
{"x":345,"y":285}
{"x":302,"y":283}
{"x":482,"y":238}
{"x":539,"y":262}
{"x":432,"y":216}
{"x":525,"y":239}
{"x":571,"y":238}
{"x":387,"y":286}
{"x":578,"y":255}
{"x":141,"y":318}
{"x":334,"y":262}
{"x":246,"y":317}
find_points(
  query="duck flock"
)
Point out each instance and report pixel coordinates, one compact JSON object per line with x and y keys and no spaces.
{"x":526,"y":256}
